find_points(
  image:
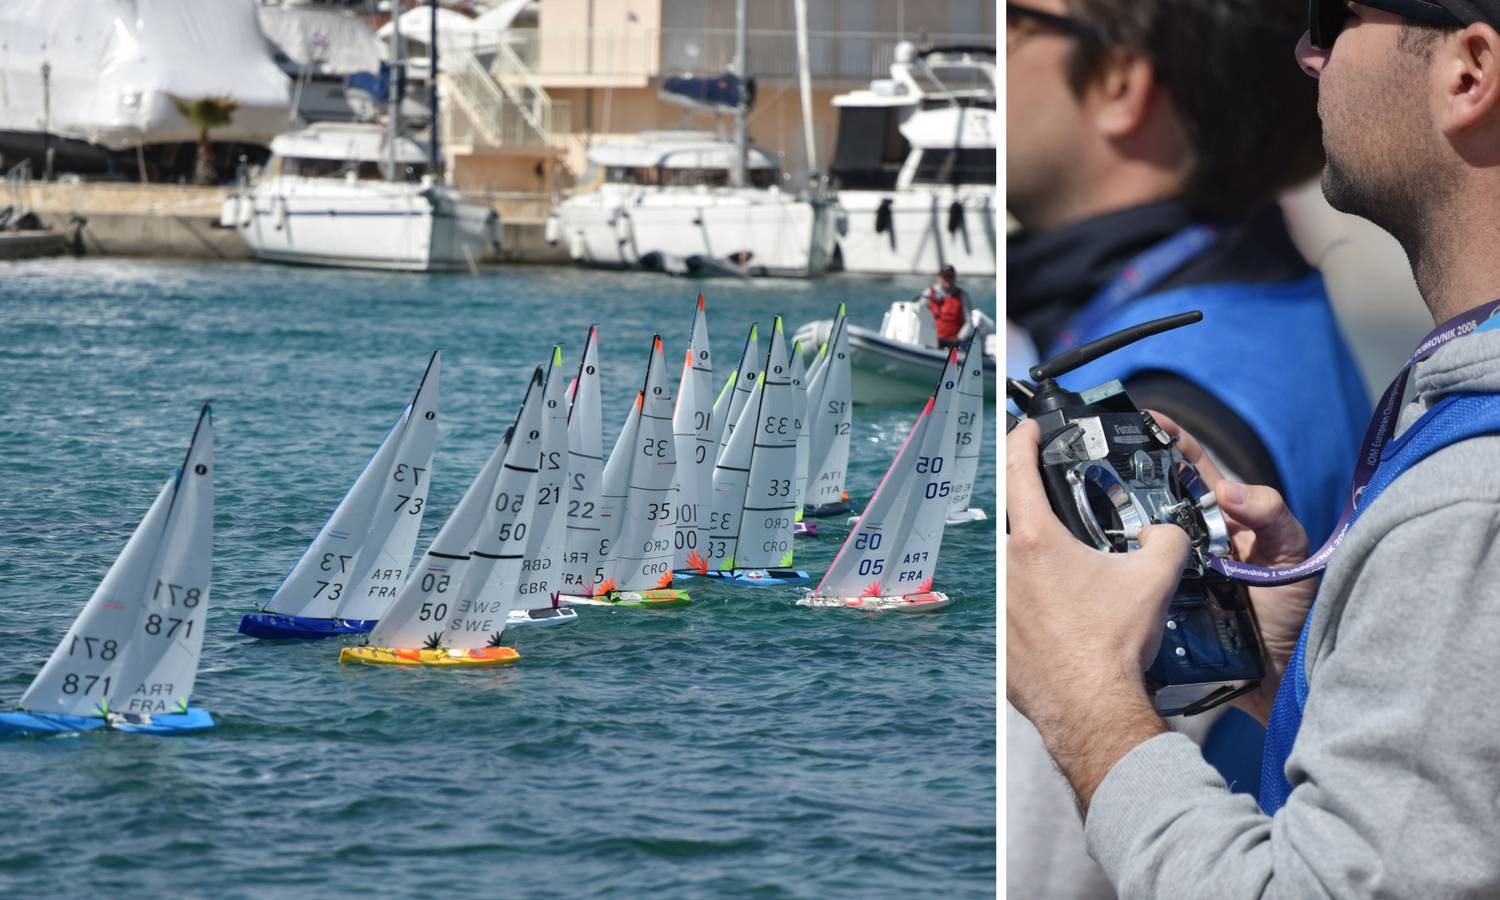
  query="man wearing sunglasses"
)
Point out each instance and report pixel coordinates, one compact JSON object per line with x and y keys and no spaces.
{"x":1153,"y":136}
{"x":1383,"y":775}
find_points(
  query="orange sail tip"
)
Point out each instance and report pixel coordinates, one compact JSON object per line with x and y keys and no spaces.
{"x":658,"y":344}
{"x":640,"y":399}
{"x":700,"y":302}
{"x":666,"y":580}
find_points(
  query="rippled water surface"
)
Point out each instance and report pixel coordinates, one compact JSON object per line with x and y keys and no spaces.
{"x":740,"y":747}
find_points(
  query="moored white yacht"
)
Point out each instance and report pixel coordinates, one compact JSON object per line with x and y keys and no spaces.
{"x":322,"y":200}
{"x":664,"y":200}
{"x":914,"y":165}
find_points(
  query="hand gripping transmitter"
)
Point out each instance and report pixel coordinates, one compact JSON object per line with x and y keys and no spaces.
{"x":1110,"y":470}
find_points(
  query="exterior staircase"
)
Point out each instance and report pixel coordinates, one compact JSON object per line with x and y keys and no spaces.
{"x":507,"y":107}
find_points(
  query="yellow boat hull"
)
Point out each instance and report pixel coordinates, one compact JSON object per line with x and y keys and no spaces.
{"x":393,"y":656}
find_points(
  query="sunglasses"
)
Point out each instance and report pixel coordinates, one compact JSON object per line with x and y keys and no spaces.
{"x":1326,"y":18}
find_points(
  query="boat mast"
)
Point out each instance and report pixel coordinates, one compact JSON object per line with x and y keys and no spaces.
{"x":804,"y":83}
{"x":741,"y":109}
{"x":432,"y":86}
{"x":393,"y":93}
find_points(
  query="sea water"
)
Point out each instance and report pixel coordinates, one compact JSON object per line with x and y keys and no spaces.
{"x":740,"y":747}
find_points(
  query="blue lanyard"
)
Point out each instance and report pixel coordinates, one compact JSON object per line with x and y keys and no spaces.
{"x":1377,"y":437}
{"x":1139,"y":277}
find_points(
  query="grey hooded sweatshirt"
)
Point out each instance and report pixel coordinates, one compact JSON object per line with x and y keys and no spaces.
{"x":1396,"y":769}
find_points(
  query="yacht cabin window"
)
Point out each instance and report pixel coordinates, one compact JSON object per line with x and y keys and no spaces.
{"x":956,"y":167}
{"x":308,"y":167}
{"x":653,"y":176}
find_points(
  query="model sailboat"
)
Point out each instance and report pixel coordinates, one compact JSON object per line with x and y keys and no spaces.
{"x":967,"y":438}
{"x":750,"y":540}
{"x":585,"y":473}
{"x":637,"y":525}
{"x":541,"y":571}
{"x":888,"y":559}
{"x":736,"y":393}
{"x":830,"y":409}
{"x":451,"y":612}
{"x":697,"y":448}
{"x":354,"y":567}
{"x":804,"y":443}
{"x":131,"y":657}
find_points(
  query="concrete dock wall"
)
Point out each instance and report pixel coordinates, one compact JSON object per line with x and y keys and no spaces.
{"x":168,"y":220}
{"x":31,"y":244}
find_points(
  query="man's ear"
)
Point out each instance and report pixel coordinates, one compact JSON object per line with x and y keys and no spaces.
{"x":1122,"y":93}
{"x":1469,"y":75}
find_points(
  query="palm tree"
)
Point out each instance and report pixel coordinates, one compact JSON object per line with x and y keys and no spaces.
{"x":203,"y":114}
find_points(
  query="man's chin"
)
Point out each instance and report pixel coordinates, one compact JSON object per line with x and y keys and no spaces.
{"x":1341,"y":194}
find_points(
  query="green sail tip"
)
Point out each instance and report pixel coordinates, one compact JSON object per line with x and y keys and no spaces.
{"x":841,"y":309}
{"x":557,"y":355}
{"x":777,"y":327}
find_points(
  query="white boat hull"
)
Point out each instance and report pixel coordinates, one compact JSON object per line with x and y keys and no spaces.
{"x":924,"y":232}
{"x":929,"y":601}
{"x":885,"y":371}
{"x":707,"y":232}
{"x":540,"y":618}
{"x":367,"y":225}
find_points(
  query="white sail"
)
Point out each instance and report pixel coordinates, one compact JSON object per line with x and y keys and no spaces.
{"x":489,"y":589}
{"x":614,"y":489}
{"x":367,"y":535}
{"x":731,"y":475}
{"x":641,"y":559}
{"x":385,"y":558}
{"x":737,"y":391}
{"x":969,"y":429}
{"x":804,"y":434}
{"x":830,"y":408}
{"x":135,"y":647}
{"x":692,"y":429}
{"x":426,"y":598}
{"x":585,"y":474}
{"x":765,"y":530}
{"x":893,"y":549}
{"x":542,"y":570}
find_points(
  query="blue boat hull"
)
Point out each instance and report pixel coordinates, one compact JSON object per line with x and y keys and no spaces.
{"x":277,"y":627}
{"x":754,"y":577}
{"x":28,"y":724}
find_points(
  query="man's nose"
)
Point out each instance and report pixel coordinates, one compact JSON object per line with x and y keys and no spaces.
{"x":1310,"y":58}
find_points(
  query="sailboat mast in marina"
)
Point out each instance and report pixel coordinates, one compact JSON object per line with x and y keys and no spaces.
{"x":353,"y":569}
{"x":130,"y":659}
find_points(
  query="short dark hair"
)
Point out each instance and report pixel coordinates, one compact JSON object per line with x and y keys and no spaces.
{"x":1249,"y":112}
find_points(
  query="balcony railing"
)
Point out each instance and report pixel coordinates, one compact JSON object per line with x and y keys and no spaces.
{"x":651,"y":52}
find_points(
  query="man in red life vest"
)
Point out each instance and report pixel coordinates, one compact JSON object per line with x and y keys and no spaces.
{"x":949,"y":306}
